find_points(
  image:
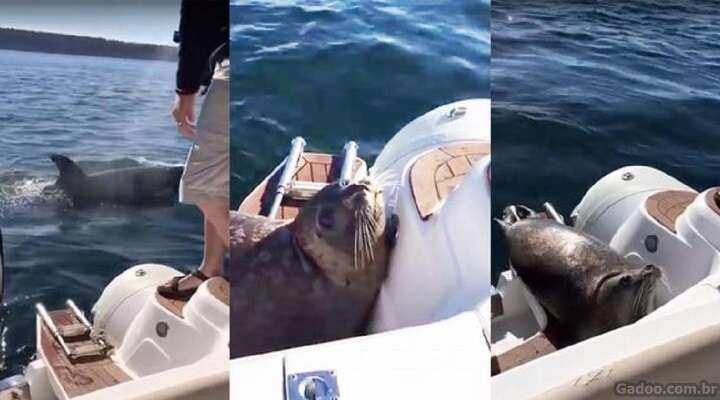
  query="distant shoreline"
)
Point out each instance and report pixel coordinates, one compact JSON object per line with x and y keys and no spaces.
{"x":41,"y":42}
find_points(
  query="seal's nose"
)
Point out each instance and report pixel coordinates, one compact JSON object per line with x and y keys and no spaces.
{"x":651,"y":270}
{"x":511,"y":215}
{"x":355,"y":188}
{"x":357,"y":195}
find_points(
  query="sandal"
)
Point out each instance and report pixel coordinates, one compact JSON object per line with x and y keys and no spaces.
{"x":171,"y":290}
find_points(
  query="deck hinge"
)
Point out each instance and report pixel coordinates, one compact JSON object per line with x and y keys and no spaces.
{"x":313,"y":385}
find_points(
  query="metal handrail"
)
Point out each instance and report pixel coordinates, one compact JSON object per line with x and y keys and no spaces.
{"x":346,"y":171}
{"x":291,"y":163}
{"x":45,"y":317}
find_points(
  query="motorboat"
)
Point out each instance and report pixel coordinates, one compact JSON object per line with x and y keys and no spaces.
{"x":136,"y":345}
{"x":429,"y":332}
{"x":649,"y":217}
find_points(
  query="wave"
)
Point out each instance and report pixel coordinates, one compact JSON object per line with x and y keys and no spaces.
{"x":19,"y":189}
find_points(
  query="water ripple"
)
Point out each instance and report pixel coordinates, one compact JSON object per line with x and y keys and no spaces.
{"x":338,"y":70}
{"x":581,"y":88}
{"x":108,"y":113}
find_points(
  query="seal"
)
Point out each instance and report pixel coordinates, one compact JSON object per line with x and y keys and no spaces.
{"x":584,"y":284}
{"x":135,"y":186}
{"x":311,"y":280}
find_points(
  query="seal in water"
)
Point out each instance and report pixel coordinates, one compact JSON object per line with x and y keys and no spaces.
{"x":136,"y":186}
{"x":583,"y":283}
{"x":311,"y":280}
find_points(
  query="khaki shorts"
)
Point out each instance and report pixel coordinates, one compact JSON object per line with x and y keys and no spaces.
{"x":207,"y":169}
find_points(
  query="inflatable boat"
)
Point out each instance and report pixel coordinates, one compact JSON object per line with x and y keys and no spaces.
{"x":648,"y":217}
{"x":431,"y":322}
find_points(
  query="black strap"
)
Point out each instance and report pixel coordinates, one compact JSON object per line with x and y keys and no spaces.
{"x":198,"y":274}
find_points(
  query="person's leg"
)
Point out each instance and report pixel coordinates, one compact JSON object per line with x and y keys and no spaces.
{"x":205,"y":184}
{"x":217,"y":212}
{"x":213,"y":256}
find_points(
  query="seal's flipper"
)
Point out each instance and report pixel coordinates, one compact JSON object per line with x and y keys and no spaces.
{"x":66,"y":166}
{"x":391,"y":230}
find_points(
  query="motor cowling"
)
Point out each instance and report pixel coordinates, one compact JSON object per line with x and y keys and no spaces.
{"x":650,"y":217}
{"x":122,"y":299}
{"x":608,"y":204}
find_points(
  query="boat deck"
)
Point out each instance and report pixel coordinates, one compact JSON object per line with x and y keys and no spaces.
{"x":543,"y":343}
{"x":435,"y":174}
{"x":218,"y":287}
{"x":666,"y":206}
{"x":21,"y":392}
{"x":83,"y":375}
{"x":713,"y":200}
{"x":312,"y":167}
{"x":551,"y":339}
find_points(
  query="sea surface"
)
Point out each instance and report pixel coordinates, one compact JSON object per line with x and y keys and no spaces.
{"x":106,"y":113}
{"x":580,"y":89}
{"x":333,"y":71}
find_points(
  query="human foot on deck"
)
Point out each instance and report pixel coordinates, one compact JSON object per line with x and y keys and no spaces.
{"x":182,"y":287}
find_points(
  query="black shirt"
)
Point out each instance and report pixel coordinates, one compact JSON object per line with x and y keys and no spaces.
{"x":203,"y":36}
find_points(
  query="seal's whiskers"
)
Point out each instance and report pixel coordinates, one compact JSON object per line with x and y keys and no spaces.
{"x":370,"y":227}
{"x":365,"y":226}
{"x":639,"y":305}
{"x":356,"y":247}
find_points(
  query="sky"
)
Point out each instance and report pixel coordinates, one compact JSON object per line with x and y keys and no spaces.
{"x":149,"y":21}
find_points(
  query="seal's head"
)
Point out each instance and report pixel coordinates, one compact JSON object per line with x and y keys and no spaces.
{"x":342,"y":230}
{"x":631,"y":293}
{"x":513,"y":214}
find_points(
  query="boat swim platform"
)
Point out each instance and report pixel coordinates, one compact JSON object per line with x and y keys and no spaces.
{"x":82,"y":375}
{"x":317,"y":168}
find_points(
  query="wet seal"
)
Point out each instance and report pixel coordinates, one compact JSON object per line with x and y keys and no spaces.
{"x":311,"y":280}
{"x":586,"y":286}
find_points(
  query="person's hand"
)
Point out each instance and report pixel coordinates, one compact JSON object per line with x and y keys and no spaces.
{"x":184,"y":114}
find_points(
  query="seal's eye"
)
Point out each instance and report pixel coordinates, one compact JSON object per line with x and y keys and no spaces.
{"x":625,"y":280}
{"x":326,"y":218}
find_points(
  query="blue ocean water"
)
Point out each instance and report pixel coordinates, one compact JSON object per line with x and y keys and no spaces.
{"x":106,"y":113}
{"x":332,"y":71}
{"x":581,"y":88}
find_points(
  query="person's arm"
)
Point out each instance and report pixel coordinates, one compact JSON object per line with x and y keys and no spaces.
{"x":203,"y":28}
